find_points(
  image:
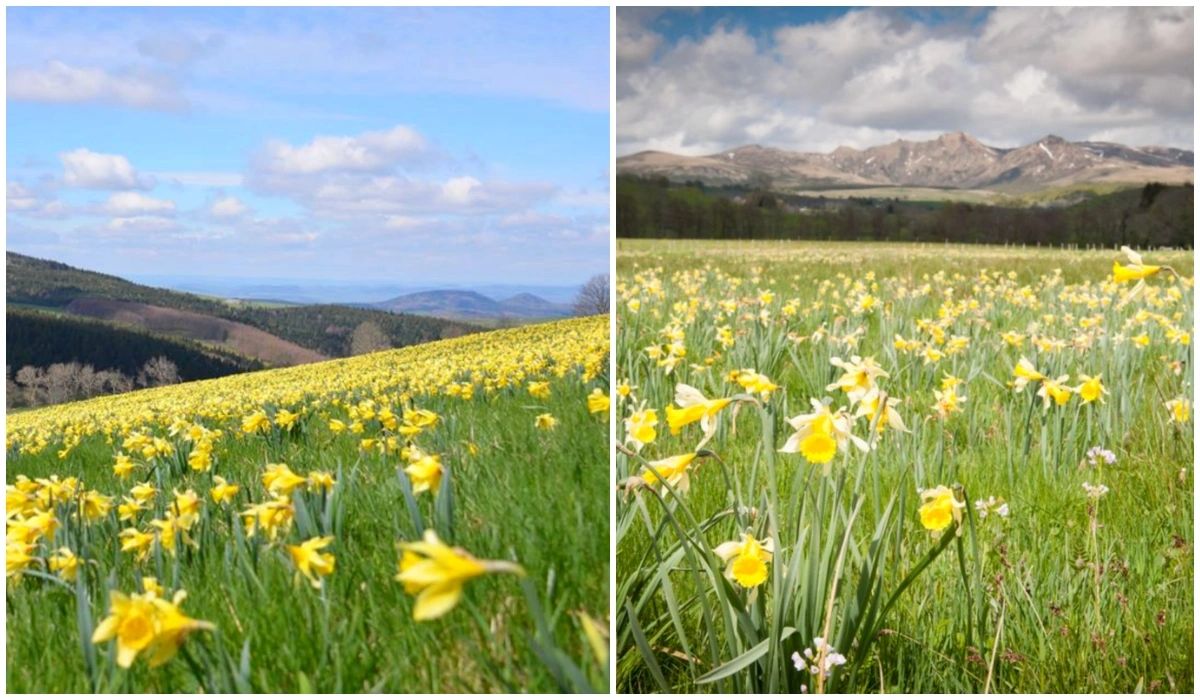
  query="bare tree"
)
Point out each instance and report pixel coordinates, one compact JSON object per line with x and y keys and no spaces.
{"x":368,"y":337}
{"x":33,"y":384}
{"x":593,"y":297}
{"x":158,"y":371}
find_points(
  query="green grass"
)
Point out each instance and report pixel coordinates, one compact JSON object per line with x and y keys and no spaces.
{"x":1031,"y":603}
{"x":533,"y":496}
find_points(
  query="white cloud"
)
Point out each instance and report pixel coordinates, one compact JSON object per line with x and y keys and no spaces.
{"x":227,"y":208}
{"x":373,"y":151}
{"x":142,"y":224}
{"x":59,"y":82}
{"x":131,"y":203}
{"x":871,"y":76}
{"x":101,"y":171}
{"x":29,"y":202}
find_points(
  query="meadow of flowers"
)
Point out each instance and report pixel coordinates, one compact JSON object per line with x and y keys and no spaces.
{"x":906,"y":468}
{"x":426,"y":519}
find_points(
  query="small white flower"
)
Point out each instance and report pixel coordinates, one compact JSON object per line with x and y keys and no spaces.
{"x":991,"y":506}
{"x":1097,"y":454}
{"x":1095,"y":492}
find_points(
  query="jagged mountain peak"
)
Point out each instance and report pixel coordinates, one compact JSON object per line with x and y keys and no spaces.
{"x":953,"y":159}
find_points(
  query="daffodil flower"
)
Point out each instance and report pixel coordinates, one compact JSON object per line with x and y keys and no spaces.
{"x":939,"y":508}
{"x":436,"y":573}
{"x":746,"y":560}
{"x":311,"y":561}
{"x":672,"y":470}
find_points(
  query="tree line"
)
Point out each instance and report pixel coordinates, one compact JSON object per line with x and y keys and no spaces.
{"x":72,"y":381}
{"x":1151,"y":216}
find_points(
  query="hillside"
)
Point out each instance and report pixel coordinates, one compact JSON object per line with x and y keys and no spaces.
{"x":506,"y":483}
{"x":953,"y":161}
{"x":473,"y":306}
{"x":40,"y":339}
{"x":274,"y":335}
{"x":1150,"y":216}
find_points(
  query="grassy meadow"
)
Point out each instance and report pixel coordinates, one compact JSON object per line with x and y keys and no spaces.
{"x":851,"y":467}
{"x":318,"y":573}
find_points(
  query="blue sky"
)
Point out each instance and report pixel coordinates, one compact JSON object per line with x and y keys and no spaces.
{"x":703,"y":80}
{"x":423,"y":145}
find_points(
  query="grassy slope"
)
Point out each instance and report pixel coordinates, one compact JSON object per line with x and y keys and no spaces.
{"x":539,"y":497}
{"x":1037,"y":561}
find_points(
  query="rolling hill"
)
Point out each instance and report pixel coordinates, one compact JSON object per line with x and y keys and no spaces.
{"x":953,"y":161}
{"x":272,"y":334}
{"x":473,"y":306}
{"x":36,"y":338}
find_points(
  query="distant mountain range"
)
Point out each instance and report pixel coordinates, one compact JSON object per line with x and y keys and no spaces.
{"x":954,"y":160}
{"x":472,"y":306}
{"x":307,"y":291}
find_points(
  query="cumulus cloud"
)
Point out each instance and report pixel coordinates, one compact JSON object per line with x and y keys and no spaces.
{"x":133,"y":203}
{"x":227,"y":207}
{"x":60,"y":82}
{"x":373,"y":151}
{"x":101,"y":171}
{"x":382,"y":173}
{"x":870,"y":76}
{"x":35,"y":203}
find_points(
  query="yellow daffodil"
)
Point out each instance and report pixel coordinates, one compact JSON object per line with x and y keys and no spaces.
{"x":940,"y":508}
{"x":223,"y":491}
{"x":436,"y":573}
{"x":311,"y":561}
{"x":673,"y":470}
{"x":746,"y":560}
{"x":693,"y":407}
{"x":597,"y":401}
{"x":425,"y":472}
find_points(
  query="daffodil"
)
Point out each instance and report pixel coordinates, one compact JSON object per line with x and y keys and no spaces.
{"x":858,"y":376}
{"x":1055,"y":390}
{"x":280,"y":480}
{"x":425,"y":472}
{"x":940,"y":508}
{"x":672,"y":470}
{"x":223,"y":491}
{"x":1135,"y":270}
{"x":436,"y":573}
{"x":1091,"y":389}
{"x":640,"y":427}
{"x":311,"y":561}
{"x":65,"y":563}
{"x":1179,"y":409}
{"x":746,"y":560}
{"x":144,"y":624}
{"x":122,"y":465}
{"x":1025,"y":372}
{"x":694,"y":407}
{"x":598,"y":401}
{"x":819,"y":435}
{"x":545,"y":421}
{"x":137,"y":542}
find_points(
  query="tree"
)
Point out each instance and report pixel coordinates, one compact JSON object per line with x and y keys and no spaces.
{"x":158,"y":371}
{"x":593,"y":297}
{"x":368,"y":337}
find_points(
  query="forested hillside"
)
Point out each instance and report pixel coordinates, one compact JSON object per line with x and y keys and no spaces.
{"x":40,"y":339}
{"x":1150,"y":216}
